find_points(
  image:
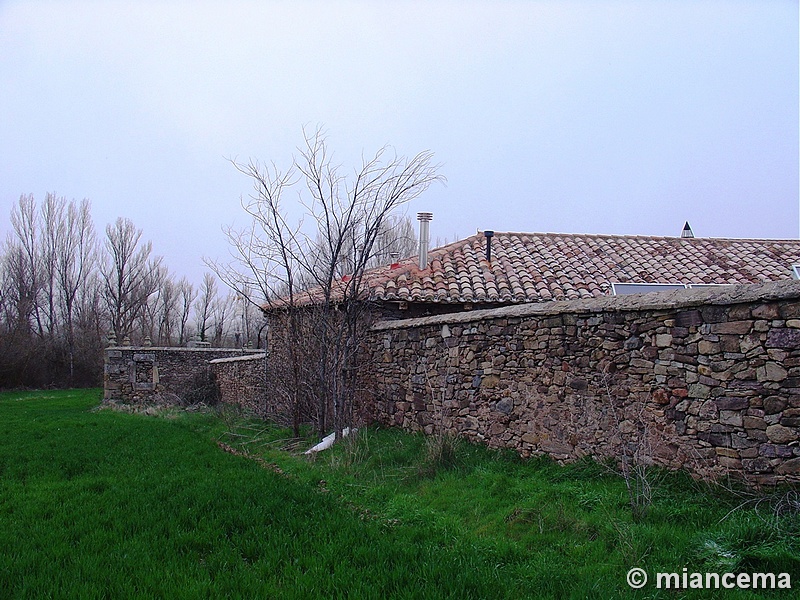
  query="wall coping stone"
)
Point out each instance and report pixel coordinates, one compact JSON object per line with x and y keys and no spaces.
{"x":678,"y":299}
{"x":182,"y":349}
{"x":253,"y":356}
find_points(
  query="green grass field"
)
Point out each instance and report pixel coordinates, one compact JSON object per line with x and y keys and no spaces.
{"x":102,"y":504}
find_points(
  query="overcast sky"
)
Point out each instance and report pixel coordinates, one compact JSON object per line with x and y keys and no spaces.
{"x":581,"y":117}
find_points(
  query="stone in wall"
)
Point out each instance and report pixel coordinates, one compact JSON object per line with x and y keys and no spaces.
{"x":155,"y":375}
{"x":703,"y":380}
{"x":242,"y":382}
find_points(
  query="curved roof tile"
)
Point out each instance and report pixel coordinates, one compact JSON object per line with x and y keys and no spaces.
{"x":535,"y":267}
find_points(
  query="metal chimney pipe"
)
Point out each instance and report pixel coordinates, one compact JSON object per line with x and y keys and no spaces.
{"x":489,"y":235}
{"x":424,"y":219}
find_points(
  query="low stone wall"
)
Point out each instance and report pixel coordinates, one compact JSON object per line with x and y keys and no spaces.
{"x":707,"y":380}
{"x":242,"y":382}
{"x":155,"y":375}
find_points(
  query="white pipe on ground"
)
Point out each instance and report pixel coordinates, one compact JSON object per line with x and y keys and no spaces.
{"x":328,"y":440}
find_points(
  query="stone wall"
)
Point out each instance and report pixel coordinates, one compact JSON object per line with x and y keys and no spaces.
{"x":153,"y":375}
{"x":242,"y":381}
{"x":707,"y":380}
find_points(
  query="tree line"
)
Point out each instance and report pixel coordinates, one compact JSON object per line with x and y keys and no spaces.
{"x":67,"y":291}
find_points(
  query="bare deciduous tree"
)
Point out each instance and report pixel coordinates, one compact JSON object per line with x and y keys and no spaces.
{"x":204,"y":305}
{"x":148,"y":317}
{"x":76,"y":250}
{"x":50,"y":223}
{"x":91,"y":316}
{"x":249,"y":320}
{"x":60,"y":289}
{"x":47,"y":262}
{"x":396,"y":240}
{"x":187,"y":294}
{"x":130,"y":275}
{"x":166,"y":311}
{"x":26,"y":263}
{"x":19,"y":289}
{"x":321,"y":270}
{"x":221,"y":315}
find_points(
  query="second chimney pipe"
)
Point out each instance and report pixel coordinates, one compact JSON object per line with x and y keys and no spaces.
{"x":489,"y":235}
{"x":424,"y":219}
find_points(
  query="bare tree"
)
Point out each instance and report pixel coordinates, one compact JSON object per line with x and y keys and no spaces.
{"x":148,"y":317}
{"x":75,"y":254}
{"x":60,"y":289}
{"x":27,"y":266}
{"x":130,"y":275}
{"x":204,"y":305}
{"x":221,"y":314}
{"x":350,"y":219}
{"x":186,"y":296}
{"x":46,"y":264}
{"x":19,"y":289}
{"x":5,"y":304}
{"x":51,"y":233}
{"x":397,"y":239}
{"x":323,"y":269}
{"x":249,"y":320}
{"x":18,"y":340}
{"x":263,"y":266}
{"x":167,"y":310}
{"x":91,"y":313}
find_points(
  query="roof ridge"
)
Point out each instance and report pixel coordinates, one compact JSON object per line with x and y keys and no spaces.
{"x":631,"y":236}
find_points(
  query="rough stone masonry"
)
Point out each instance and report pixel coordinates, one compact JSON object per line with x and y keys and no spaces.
{"x":706,"y":380}
{"x":143,"y":375}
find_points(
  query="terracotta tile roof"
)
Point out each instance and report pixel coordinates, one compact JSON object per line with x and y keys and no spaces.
{"x":536,"y":267}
